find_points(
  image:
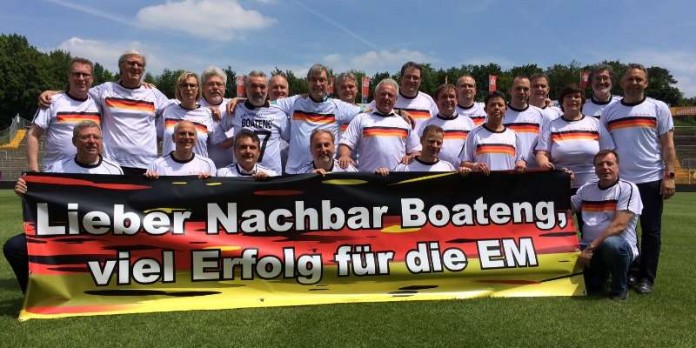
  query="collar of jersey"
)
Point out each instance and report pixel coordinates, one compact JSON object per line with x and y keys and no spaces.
{"x":443,"y":117}
{"x":251,"y":106}
{"x":379,"y":113}
{"x":601,"y":102}
{"x":633,"y":104}
{"x":76,"y":98}
{"x":330,"y":169}
{"x":326,"y":97}
{"x":427,"y":163}
{"x":407,"y":97}
{"x":244,"y":172}
{"x":181,"y":161}
{"x":516,"y":109}
{"x":466,"y":107}
{"x":484,"y":125}
{"x":89,"y":165}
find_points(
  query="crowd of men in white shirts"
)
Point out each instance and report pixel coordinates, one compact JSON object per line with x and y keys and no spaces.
{"x":271,"y":133}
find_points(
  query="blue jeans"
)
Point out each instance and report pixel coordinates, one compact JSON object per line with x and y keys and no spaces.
{"x":612,"y":257}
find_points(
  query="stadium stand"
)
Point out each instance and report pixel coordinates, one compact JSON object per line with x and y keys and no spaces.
{"x":685,"y":144}
{"x":13,"y":152}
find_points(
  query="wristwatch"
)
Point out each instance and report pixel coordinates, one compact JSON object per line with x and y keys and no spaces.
{"x":669,"y":175}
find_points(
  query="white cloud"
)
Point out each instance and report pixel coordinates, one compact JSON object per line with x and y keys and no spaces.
{"x":375,"y":61}
{"x":221,"y":20}
{"x":158,"y":58}
{"x":681,"y":65}
{"x":107,"y":53}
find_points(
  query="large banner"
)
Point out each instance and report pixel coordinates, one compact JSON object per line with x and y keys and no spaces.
{"x":103,"y":244}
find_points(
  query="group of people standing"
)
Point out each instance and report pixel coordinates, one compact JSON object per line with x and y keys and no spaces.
{"x":270,"y":133}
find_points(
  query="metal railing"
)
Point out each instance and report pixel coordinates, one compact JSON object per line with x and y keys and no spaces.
{"x":8,"y":134}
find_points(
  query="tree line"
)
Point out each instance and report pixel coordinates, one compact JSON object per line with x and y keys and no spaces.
{"x":26,"y":71}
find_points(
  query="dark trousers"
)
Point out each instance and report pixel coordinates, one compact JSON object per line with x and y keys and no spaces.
{"x":15,"y":250}
{"x":578,"y":214}
{"x":651,"y":231}
{"x":133,"y":171}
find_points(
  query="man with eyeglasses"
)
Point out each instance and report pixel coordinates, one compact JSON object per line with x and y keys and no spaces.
{"x":601,"y":82}
{"x":268,"y":121}
{"x":86,"y":139}
{"x":57,"y":121}
{"x":129,"y":112}
{"x":315,"y":111}
{"x":214,"y":82}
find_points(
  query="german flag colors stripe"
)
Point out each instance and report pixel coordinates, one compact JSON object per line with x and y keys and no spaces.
{"x":77,"y":117}
{"x":456,"y":134}
{"x":170,"y":123}
{"x":128,"y":104}
{"x":418,"y":114}
{"x":524,"y":127}
{"x":385,"y":132}
{"x":574,"y":135}
{"x":633,"y":122}
{"x":495,"y":149}
{"x":314,"y":117}
{"x":478,"y":120}
{"x":599,"y":206}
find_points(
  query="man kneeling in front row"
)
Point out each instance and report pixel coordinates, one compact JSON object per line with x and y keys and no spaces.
{"x":428,"y":160}
{"x":610,"y":209}
{"x":87,"y":138}
{"x":247,"y":151}
{"x":182,"y":161}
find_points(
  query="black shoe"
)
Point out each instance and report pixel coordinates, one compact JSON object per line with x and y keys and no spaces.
{"x":632,"y":280}
{"x":644,"y":288}
{"x":619,"y":297}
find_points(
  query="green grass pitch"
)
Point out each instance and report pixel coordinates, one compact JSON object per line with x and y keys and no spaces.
{"x":667,"y":318}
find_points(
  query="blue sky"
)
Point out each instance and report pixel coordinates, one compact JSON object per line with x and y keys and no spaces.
{"x":364,"y":35}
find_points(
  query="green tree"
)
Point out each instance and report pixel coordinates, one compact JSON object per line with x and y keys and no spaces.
{"x":231,"y":86}
{"x":56,"y":67}
{"x":481,"y":73}
{"x":661,"y":87}
{"x":295,"y":85}
{"x":166,"y":82}
{"x":102,"y":75}
{"x":561,"y":76}
{"x":149,"y":78}
{"x":22,"y":70}
{"x":430,"y":79}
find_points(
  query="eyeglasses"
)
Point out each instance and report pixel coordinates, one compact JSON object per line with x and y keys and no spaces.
{"x":189,"y":85}
{"x":80,"y":74}
{"x":134,"y":63}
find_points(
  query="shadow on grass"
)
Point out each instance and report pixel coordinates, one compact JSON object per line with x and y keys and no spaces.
{"x":10,"y":308}
{"x":10,"y":304}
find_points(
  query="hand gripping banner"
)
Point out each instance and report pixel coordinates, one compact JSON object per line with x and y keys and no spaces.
{"x":103,"y":244}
